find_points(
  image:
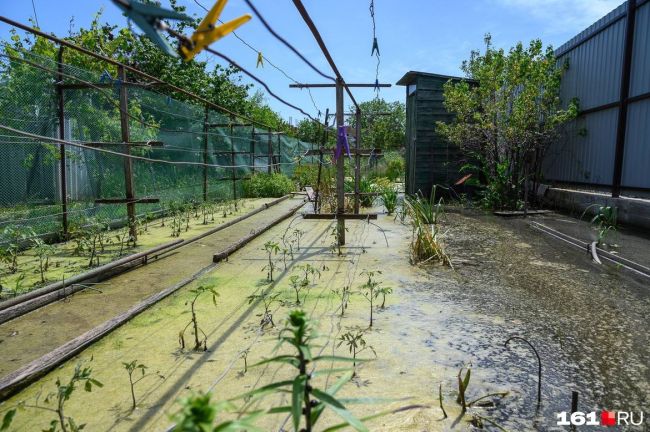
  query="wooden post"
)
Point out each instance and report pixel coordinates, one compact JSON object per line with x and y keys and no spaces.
{"x":62,"y":161}
{"x":357,"y":161}
{"x":205,"y":153}
{"x":232,"y":159}
{"x":270,"y":159}
{"x":128,"y":167}
{"x":340,"y":167}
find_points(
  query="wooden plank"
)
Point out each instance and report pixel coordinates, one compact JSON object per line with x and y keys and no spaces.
{"x":224,"y":254}
{"x":342,"y":216}
{"x":310,"y":193}
{"x":29,"y":373}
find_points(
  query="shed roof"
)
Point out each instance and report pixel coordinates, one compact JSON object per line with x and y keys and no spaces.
{"x":411,"y":75}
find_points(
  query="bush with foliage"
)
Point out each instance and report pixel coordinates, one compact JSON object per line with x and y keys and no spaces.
{"x":507,"y":115}
{"x":306,"y":175}
{"x":263,"y":185}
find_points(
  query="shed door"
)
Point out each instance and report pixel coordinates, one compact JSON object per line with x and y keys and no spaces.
{"x":411,"y":134}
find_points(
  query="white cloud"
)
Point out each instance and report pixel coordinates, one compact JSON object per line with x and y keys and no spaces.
{"x":564,"y":15}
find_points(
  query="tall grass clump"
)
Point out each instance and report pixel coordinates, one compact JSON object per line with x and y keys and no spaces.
{"x":424,"y":215}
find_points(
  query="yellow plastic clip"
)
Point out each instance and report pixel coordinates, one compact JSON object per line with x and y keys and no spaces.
{"x":208,"y":32}
{"x":260,"y":59}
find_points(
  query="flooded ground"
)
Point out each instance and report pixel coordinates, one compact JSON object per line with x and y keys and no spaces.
{"x":589,"y":324}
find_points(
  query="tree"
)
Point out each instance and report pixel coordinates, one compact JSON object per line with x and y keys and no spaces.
{"x":387,"y":132}
{"x":506,"y":115}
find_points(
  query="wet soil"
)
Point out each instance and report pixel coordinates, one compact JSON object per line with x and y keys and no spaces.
{"x":589,"y":324}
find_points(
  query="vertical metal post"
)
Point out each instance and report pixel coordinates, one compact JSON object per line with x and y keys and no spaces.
{"x":205,"y":152}
{"x":623,"y":96}
{"x":252,"y":151}
{"x":340,"y":167}
{"x":128,"y":167}
{"x":278,"y":167}
{"x":321,"y":146}
{"x":62,"y":161}
{"x":357,"y":161}
{"x":270,"y":150}
{"x":232,"y":159}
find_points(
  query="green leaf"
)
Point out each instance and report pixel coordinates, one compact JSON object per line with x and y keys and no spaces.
{"x":340,"y":410}
{"x":7,"y":419}
{"x":297,"y":397}
{"x":266,"y":389}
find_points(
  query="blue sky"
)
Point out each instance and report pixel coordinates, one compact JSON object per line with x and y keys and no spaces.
{"x":424,"y":35}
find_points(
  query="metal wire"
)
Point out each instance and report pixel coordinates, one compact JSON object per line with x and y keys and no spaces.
{"x":266,"y":59}
{"x":286,"y":43}
{"x":134,"y":157}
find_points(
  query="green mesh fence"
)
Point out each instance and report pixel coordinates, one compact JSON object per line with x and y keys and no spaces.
{"x":30,"y":195}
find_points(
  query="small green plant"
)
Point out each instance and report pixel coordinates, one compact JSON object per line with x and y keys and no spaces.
{"x":307,"y":271}
{"x":370,"y":289}
{"x":297,"y":284}
{"x":271,"y":249}
{"x":43,"y":251}
{"x":343,"y":295}
{"x":64,"y":391}
{"x":307,"y":402}
{"x":336,"y":237}
{"x":388,"y":197}
{"x":462,"y":397}
{"x":199,"y":414}
{"x":132,"y":368}
{"x":356,"y":344}
{"x":199,"y":344}
{"x":605,"y":220}
{"x":267,"y":300}
{"x":383,"y":292}
{"x":9,"y":252}
{"x":297,"y":234}
{"x":244,"y":356}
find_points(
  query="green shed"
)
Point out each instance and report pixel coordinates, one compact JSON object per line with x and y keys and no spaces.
{"x":430,"y":159}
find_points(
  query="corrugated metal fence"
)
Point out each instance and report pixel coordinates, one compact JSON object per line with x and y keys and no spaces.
{"x":609,"y":72}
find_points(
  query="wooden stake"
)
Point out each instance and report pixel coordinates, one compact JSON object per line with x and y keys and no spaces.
{"x":128,"y":167}
{"x":340,"y":167}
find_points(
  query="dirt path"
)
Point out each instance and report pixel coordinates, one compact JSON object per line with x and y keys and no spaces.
{"x":37,"y":333}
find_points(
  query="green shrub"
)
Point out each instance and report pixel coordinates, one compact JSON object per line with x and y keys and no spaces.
{"x":306,"y":175}
{"x":395,"y":168}
{"x":262,"y":185}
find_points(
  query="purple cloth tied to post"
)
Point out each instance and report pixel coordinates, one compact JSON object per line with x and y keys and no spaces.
{"x":342,"y":143}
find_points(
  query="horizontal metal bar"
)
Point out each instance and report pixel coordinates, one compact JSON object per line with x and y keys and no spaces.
{"x":361,"y":152}
{"x":229,"y":125}
{"x":79,"y":86}
{"x":611,"y":105}
{"x":300,"y":85}
{"x":127,"y":201}
{"x":229,"y":152}
{"x":131,"y":143}
{"x":334,"y":216}
{"x":269,"y":133}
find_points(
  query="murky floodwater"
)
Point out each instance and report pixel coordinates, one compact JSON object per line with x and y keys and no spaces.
{"x":588,"y":323}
